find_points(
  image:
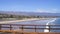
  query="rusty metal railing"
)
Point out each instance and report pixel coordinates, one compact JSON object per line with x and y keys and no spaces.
{"x":28,"y":26}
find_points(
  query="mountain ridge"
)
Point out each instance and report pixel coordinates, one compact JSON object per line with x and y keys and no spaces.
{"x":30,"y":13}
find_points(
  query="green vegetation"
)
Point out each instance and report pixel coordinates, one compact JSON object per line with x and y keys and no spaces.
{"x":16,"y":16}
{"x":19,"y":17}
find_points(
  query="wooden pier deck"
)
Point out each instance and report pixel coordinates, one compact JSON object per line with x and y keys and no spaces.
{"x":15,"y":32}
{"x":10,"y":29}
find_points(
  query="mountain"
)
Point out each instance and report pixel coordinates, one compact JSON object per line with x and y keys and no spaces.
{"x":29,"y":13}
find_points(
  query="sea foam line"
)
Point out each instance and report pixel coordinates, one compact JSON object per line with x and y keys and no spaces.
{"x":46,"y":30}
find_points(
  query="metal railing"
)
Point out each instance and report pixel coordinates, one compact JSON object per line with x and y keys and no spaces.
{"x":29,"y":26}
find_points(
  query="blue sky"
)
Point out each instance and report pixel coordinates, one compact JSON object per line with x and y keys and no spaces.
{"x":52,"y":6}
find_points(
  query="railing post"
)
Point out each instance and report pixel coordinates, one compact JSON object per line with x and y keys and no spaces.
{"x":35,"y":28}
{"x":10,"y":27}
{"x":0,"y":26}
{"x":49,"y":27}
{"x":22,"y":27}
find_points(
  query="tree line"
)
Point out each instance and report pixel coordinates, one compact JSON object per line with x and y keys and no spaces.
{"x":16,"y":16}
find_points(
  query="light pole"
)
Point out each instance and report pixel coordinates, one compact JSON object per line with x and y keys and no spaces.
{"x":46,"y":30}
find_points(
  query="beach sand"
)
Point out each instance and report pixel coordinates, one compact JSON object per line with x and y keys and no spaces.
{"x":3,"y":22}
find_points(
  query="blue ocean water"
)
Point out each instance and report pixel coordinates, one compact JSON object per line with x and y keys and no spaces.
{"x":57,"y":21}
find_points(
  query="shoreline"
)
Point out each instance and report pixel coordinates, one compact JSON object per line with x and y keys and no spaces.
{"x":6,"y":22}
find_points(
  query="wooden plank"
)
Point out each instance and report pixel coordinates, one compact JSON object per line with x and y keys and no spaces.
{"x":19,"y":32}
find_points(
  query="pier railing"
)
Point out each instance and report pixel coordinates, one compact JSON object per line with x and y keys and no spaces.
{"x":21,"y":27}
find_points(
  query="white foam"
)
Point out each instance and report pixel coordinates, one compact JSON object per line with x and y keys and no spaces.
{"x":46,"y":30}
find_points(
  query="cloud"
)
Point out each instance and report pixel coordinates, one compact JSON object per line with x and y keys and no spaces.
{"x":54,"y":9}
{"x":41,"y":10}
{"x":46,"y":10}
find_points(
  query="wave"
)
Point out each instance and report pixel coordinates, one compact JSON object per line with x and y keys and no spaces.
{"x":46,"y":30}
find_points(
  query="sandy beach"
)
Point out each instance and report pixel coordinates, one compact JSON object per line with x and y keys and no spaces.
{"x":3,"y":22}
